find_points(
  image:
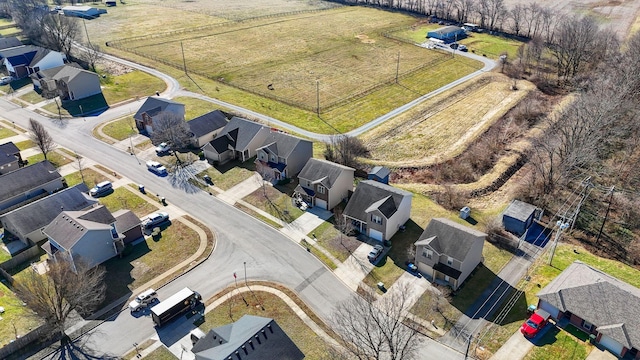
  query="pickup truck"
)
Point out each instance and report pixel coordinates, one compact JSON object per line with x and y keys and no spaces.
{"x":156,"y":167}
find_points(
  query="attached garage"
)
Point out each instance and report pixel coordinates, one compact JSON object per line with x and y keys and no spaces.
{"x":321,"y":203}
{"x":613,"y":346}
{"x":552,"y":310}
{"x":375,"y":234}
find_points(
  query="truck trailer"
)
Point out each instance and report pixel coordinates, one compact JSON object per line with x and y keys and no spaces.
{"x":177,"y":304}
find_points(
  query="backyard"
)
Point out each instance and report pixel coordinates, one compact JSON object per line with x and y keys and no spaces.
{"x":17,"y":319}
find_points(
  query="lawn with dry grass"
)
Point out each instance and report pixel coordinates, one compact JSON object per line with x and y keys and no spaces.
{"x":6,"y":132}
{"x":274,"y":202}
{"x":120,"y":129}
{"x":194,"y":107}
{"x":230,"y":174}
{"x":124,"y":198}
{"x":56,"y":158}
{"x":91,"y":177}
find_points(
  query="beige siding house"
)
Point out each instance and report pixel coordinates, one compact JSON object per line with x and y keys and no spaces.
{"x":323,"y":183}
{"x":239,"y":139}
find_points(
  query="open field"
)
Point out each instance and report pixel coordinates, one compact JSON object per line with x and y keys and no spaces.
{"x":443,"y":126}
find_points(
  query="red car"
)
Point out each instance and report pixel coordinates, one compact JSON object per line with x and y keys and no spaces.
{"x":536,"y":322}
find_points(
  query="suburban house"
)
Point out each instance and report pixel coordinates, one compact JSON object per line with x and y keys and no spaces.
{"x":249,"y":338}
{"x":9,"y":42}
{"x":448,"y":34}
{"x":519,"y":216}
{"x":206,"y":127}
{"x":239,"y":139}
{"x":70,"y":82}
{"x":379,"y":174}
{"x":22,"y":61}
{"x":26,"y":223}
{"x":324,"y":183}
{"x":128,"y":225}
{"x":91,"y":235}
{"x":282,"y":156}
{"x":150,"y":110}
{"x":10,"y":158}
{"x":597,"y":303}
{"x":448,"y":252}
{"x":28,"y":184}
{"x":378,"y":210}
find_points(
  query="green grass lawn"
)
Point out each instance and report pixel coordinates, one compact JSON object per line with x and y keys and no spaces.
{"x":24,"y":145}
{"x":121,"y":128}
{"x":492,"y":46}
{"x":55,"y":158}
{"x":195,"y":107}
{"x":559,"y":345}
{"x":15,"y":314}
{"x":143,"y":262}
{"x":274,"y":202}
{"x":230,"y":174}
{"x":91,"y":177}
{"x":4,"y":255}
{"x":161,"y":353}
{"x":123,"y":198}
{"x":306,"y":339}
{"x":132,"y":85}
{"x":331,"y":239}
{"x":5,"y":133}
{"x":8,"y":32}
{"x":32,"y":97}
{"x":258,"y":216}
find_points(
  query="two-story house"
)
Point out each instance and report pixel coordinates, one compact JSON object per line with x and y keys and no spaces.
{"x":448,"y":252}
{"x":69,"y":81}
{"x":378,"y":210}
{"x":152,"y":108}
{"x":24,"y":60}
{"x":28,"y":184}
{"x":90,"y":235}
{"x":206,"y":127}
{"x":282,"y":156}
{"x":323,"y":183}
{"x":10,"y":158}
{"x":239,"y":139}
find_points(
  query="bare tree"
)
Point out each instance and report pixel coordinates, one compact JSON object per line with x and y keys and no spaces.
{"x":91,"y":54}
{"x":171,"y":128}
{"x":61,"y":32}
{"x":517,"y":15}
{"x":64,"y":288}
{"x":346,"y":150}
{"x":40,"y":136}
{"x":374,"y":329}
{"x":28,"y":15}
{"x":464,"y":9}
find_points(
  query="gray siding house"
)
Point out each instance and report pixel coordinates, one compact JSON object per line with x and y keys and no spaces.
{"x":10,"y":158}
{"x":27,"y":184}
{"x":323,"y":183}
{"x":378,"y":210}
{"x":70,"y":82}
{"x":282,"y":156}
{"x":239,"y":139}
{"x":448,"y":252}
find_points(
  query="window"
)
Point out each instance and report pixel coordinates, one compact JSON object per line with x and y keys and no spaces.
{"x":321,"y":189}
{"x":427,"y":253}
{"x":114,"y":232}
{"x":587,"y":325}
{"x":449,"y":260}
{"x":376,"y":219}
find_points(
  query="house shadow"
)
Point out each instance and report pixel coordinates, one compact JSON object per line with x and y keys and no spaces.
{"x":177,"y":328}
{"x":538,"y":235}
{"x":403,"y":240}
{"x":248,"y":165}
{"x":90,"y":106}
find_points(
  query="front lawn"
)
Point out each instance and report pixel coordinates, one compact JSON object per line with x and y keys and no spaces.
{"x":54,"y":157}
{"x":230,"y":174}
{"x":161,"y":353}
{"x":5,"y":132}
{"x":556,"y":344}
{"x":331,"y":239}
{"x":17,"y":319}
{"x":143,"y":262}
{"x":91,"y":177}
{"x":132,"y":85}
{"x":123,"y":198}
{"x":492,"y":46}
{"x":32,"y":97}
{"x":233,"y":309}
{"x":274,"y":202}
{"x":121,"y":128}
{"x":24,"y":145}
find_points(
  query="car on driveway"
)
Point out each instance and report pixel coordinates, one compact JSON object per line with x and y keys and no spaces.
{"x":375,"y":253}
{"x":6,"y":80}
{"x":101,"y":189}
{"x":155,"y":219}
{"x":535,"y":323}
{"x":163,"y":148}
{"x":156,"y":167}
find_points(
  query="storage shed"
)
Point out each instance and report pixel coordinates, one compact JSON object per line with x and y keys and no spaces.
{"x":379,"y":174}
{"x":448,"y":34}
{"x":519,"y":216}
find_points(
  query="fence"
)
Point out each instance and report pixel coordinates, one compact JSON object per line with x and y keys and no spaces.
{"x":22,"y":257}
{"x":25,"y":340}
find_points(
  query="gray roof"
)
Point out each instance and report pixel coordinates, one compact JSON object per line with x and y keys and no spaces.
{"x":126,"y":220}
{"x":611,"y":305}
{"x":449,"y":238}
{"x":70,"y":226}
{"x":237,"y":134}
{"x":24,"y":55}
{"x":281,"y":144}
{"x":447,"y":30}
{"x":323,"y":172}
{"x":153,"y":105}
{"x":520,"y":210}
{"x":371,"y":194}
{"x":9,"y":42}
{"x":253,"y":337}
{"x":8,"y":153}
{"x":380,"y":171}
{"x":65,"y":73}
{"x":38,"y":214}
{"x":207,"y":123}
{"x":27,"y":178}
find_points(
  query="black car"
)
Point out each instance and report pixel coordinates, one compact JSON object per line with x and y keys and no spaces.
{"x":454,"y":46}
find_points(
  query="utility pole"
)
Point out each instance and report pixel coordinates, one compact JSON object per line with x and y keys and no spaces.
{"x":318,"y":96}
{"x":184,"y":62}
{"x":245,"y":273}
{"x":586,"y":183}
{"x":466,"y":353}
{"x":80,"y":166}
{"x":561,"y":226}
{"x":606,"y":214}
{"x":86,"y":32}
{"x":397,"y":67}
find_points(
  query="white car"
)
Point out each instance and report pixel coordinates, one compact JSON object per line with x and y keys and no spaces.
{"x":145,"y":298}
{"x":101,"y":189}
{"x":163,"y":148}
{"x":155,"y":219}
{"x":156,"y":167}
{"x":6,"y":80}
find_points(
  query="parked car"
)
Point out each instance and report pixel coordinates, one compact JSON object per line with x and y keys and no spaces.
{"x":6,"y":80}
{"x":375,"y":253}
{"x":535,"y":323}
{"x":463,"y":48}
{"x":155,"y":219}
{"x":163,"y":148}
{"x":143,"y":300}
{"x":156,"y":167}
{"x":454,"y":46}
{"x":101,"y":189}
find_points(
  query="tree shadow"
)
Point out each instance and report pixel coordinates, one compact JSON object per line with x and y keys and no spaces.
{"x":81,"y":349}
{"x":179,"y":179}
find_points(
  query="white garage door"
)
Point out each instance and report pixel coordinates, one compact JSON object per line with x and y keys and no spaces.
{"x":375,"y":234}
{"x":552,"y":310}
{"x":321,"y":203}
{"x":614,"y":346}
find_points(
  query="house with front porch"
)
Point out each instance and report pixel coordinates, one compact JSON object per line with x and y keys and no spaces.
{"x":324,"y":183}
{"x":378,"y":210}
{"x":282,"y":156}
{"x":239,"y":139}
{"x":597,"y":303}
{"x":448,"y":252}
